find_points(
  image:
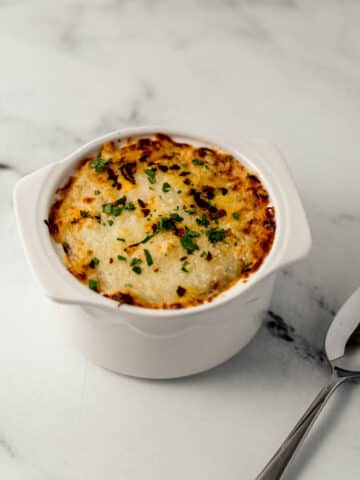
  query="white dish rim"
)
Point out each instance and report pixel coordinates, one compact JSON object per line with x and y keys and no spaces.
{"x":277,"y":181}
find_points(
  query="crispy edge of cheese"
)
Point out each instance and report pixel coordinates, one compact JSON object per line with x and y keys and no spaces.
{"x":139,"y":152}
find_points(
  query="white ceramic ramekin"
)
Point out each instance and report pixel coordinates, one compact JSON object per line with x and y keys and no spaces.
{"x":163,"y":343}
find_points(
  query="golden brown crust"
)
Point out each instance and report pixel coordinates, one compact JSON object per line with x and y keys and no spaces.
{"x":161,"y":224}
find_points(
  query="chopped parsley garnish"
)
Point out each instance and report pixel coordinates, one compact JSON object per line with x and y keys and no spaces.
{"x":84,"y":213}
{"x":121,"y":239}
{"x":164,"y":223}
{"x":107,"y":208}
{"x":111,"y":222}
{"x":216,"y":234}
{"x":116,"y":211}
{"x":166,"y":187}
{"x":94,"y":262}
{"x":203,"y":221}
{"x":184,"y":266}
{"x":97,"y":192}
{"x":120,"y":257}
{"x":99,"y":164}
{"x":147,"y":238}
{"x":121,"y":200}
{"x":130,"y":206}
{"x":144,"y":240}
{"x":92,"y":284}
{"x":197,"y":161}
{"x":167,"y":223}
{"x":151,"y":174}
{"x":148,"y":257}
{"x":111,"y":209}
{"x":135,"y":261}
{"x":236,"y":215}
{"x":135,"y":264}
{"x":191,"y":233}
{"x":188,"y":243}
{"x":176,"y":217}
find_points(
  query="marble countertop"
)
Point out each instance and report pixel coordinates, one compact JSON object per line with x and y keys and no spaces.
{"x":285,"y":70}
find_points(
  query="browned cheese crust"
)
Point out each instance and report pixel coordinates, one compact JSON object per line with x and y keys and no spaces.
{"x":161,"y":224}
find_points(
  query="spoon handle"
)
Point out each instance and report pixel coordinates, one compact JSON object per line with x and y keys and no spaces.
{"x":278,"y":463}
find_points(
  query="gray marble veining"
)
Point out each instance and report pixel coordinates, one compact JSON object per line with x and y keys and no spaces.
{"x":285,"y":70}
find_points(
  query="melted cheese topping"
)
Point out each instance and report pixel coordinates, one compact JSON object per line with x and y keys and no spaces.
{"x":162,"y":224}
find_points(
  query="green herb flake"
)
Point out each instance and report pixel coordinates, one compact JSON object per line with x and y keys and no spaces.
{"x":94,"y":262}
{"x":135,"y":261}
{"x":176,"y":217}
{"x":144,"y":240}
{"x":121,"y":258}
{"x":166,"y":187}
{"x":111,"y":209}
{"x":184,"y":266}
{"x":216,"y":234}
{"x":137,"y":270}
{"x":148,"y":257}
{"x":99,"y":164}
{"x":188,"y":243}
{"x":151,"y":174}
{"x":116,"y":211}
{"x":84,"y":213}
{"x":191,"y":233}
{"x":197,"y":161}
{"x":130,"y":206}
{"x":107,"y":208}
{"x":92,"y":284}
{"x":164,"y":223}
{"x":147,"y":238}
{"x":119,"y":239}
{"x":97,"y":192}
{"x":236,"y":216}
{"x":203,"y":221}
{"x":111,"y":223}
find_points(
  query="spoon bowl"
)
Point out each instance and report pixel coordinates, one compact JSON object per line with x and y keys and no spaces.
{"x":342,"y":349}
{"x":342,"y":342}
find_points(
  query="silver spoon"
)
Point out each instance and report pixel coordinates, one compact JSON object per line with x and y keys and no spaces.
{"x":342,"y":348}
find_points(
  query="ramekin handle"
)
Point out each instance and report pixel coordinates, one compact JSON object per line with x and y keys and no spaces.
{"x":295,"y":233}
{"x":28,"y":214}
